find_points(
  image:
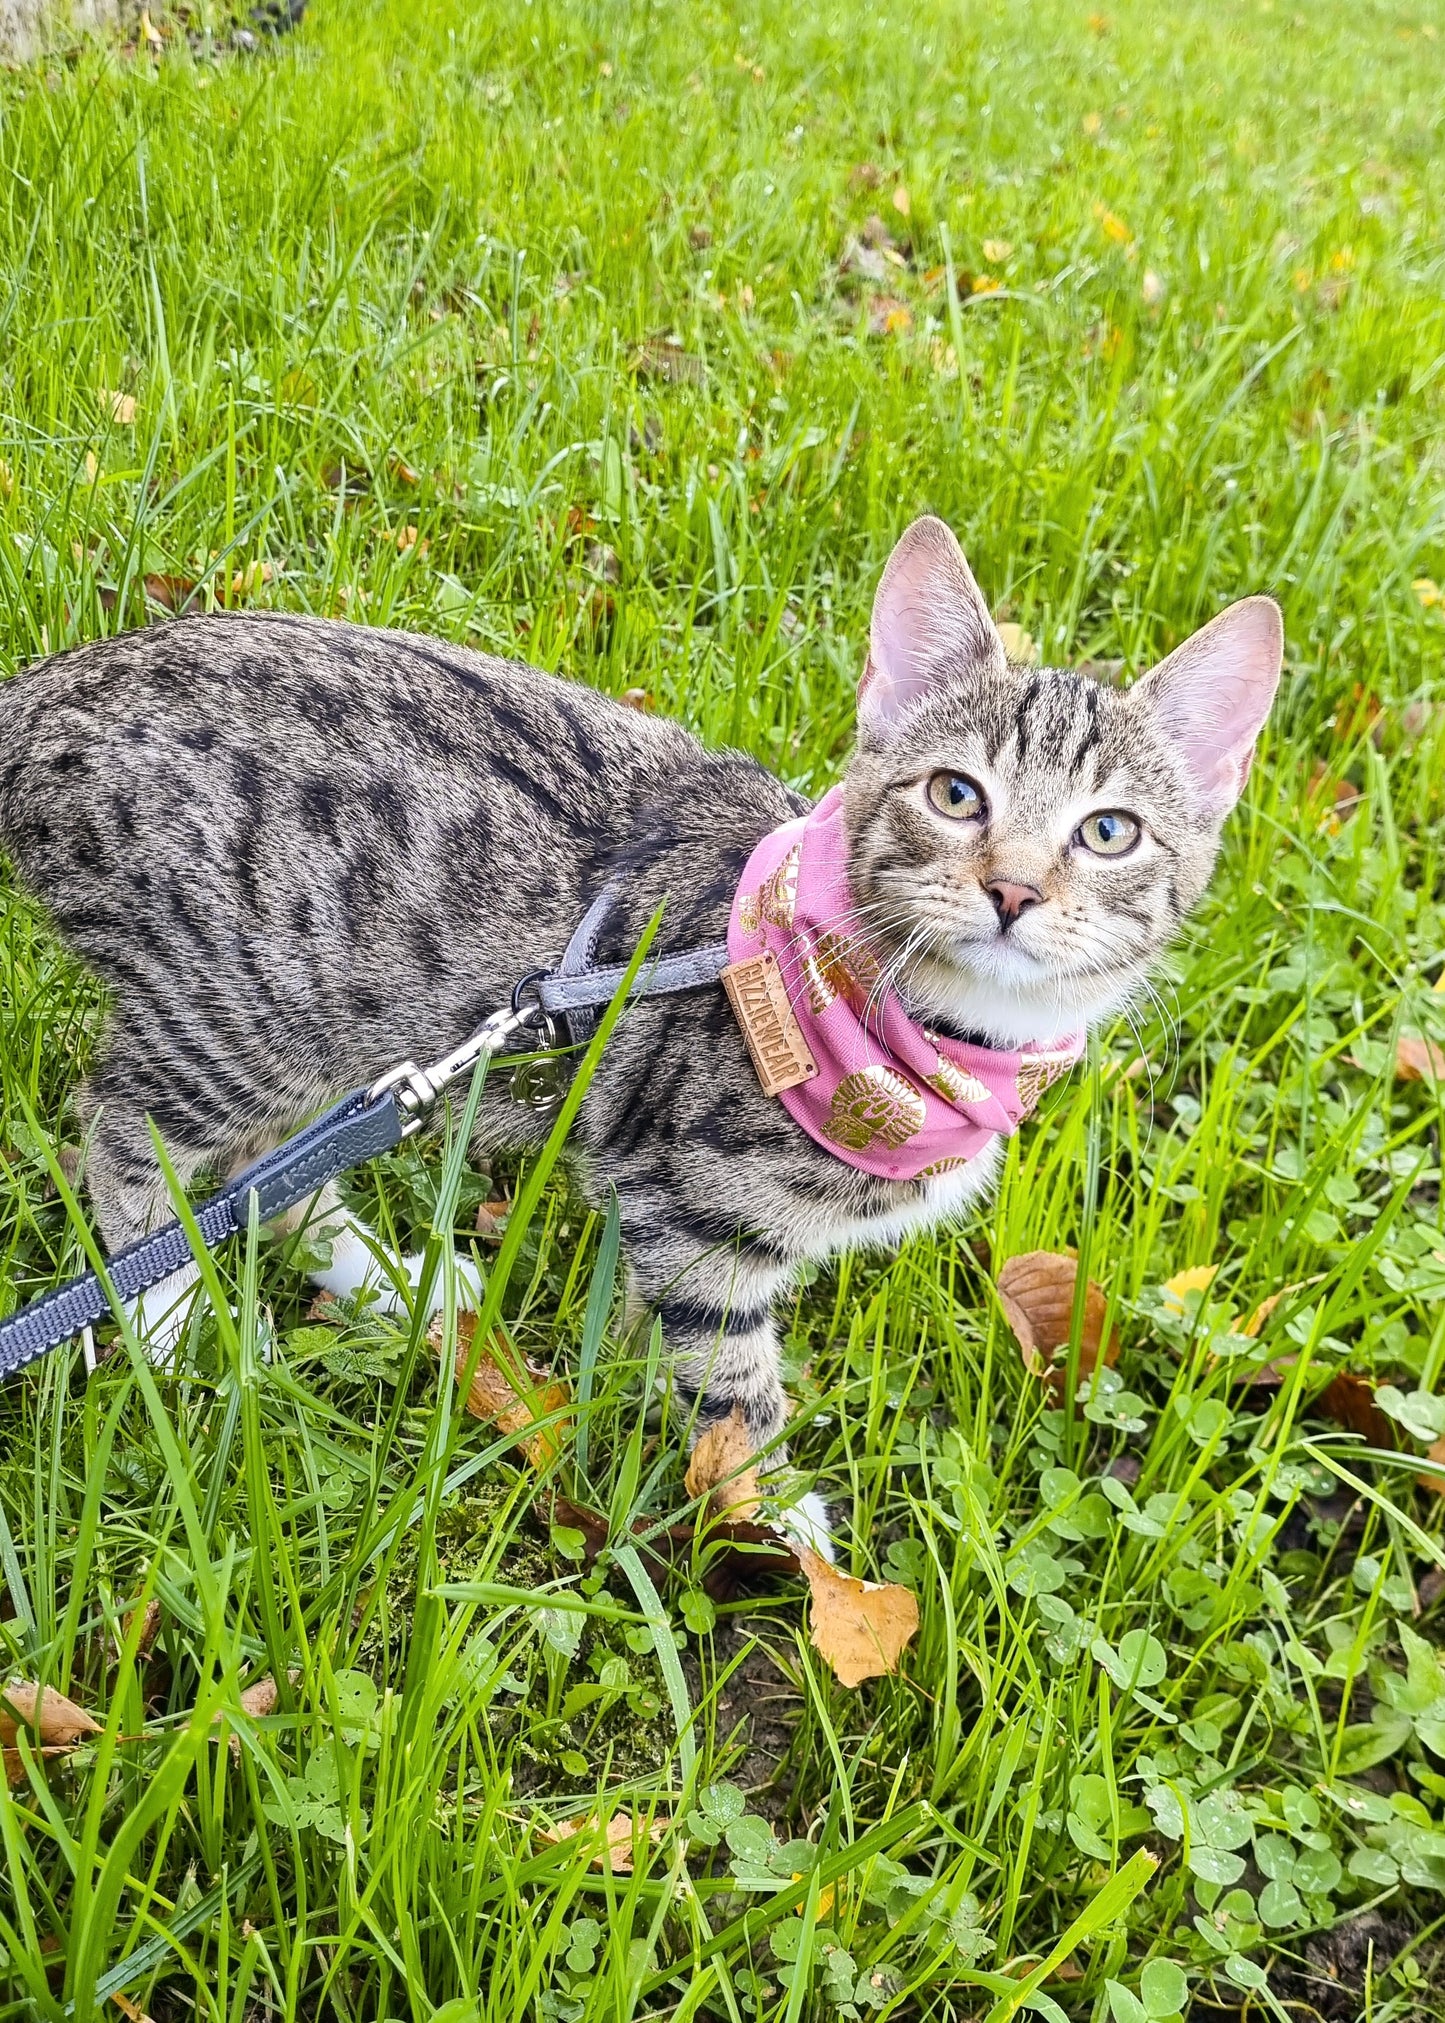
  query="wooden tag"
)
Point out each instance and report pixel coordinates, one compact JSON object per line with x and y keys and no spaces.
{"x":775,"y":1039}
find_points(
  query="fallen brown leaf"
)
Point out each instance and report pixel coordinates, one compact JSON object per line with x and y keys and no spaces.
{"x":15,"y":1763}
{"x":1341,"y":799}
{"x":246,"y":582}
{"x":723,"y":1468}
{"x":1350,"y":1401}
{"x":1418,"y":1060}
{"x":1036,"y":1292}
{"x":858,"y":1627}
{"x":149,"y":1629}
{"x":616,"y":1841}
{"x":665,"y":358}
{"x":507,"y":1390}
{"x":260,"y":1697}
{"x":132,"y":2011}
{"x":887,"y":314}
{"x":48,"y":1714}
{"x":1434,"y":1483}
{"x":169,"y":591}
{"x":119,"y":406}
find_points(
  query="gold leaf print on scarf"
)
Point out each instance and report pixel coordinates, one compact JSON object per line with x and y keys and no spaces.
{"x":1038,"y":1072}
{"x":778,"y":894}
{"x":955,"y":1084}
{"x":875,"y":1105}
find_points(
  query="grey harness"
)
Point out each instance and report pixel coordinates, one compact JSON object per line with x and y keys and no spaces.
{"x":550,"y":1009}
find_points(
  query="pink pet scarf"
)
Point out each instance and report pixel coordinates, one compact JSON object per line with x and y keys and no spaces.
{"x":859,"y":1074}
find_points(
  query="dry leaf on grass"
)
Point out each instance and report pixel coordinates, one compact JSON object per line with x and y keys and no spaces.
{"x":1350,"y":1401}
{"x":58,"y":1722}
{"x":1198,"y":1278}
{"x":1340,"y":797}
{"x":887,"y":314}
{"x":615,"y":1843}
{"x":666,"y":358}
{"x":724,"y":1468}
{"x":170,"y":592}
{"x":507,"y":1390}
{"x":246,"y":582}
{"x":1434,"y":1483}
{"x":149,"y":1629}
{"x":858,"y":1627}
{"x":1020,"y":646}
{"x":119,"y":406}
{"x":132,"y":2011}
{"x":1036,"y":1292}
{"x":1418,"y":1060}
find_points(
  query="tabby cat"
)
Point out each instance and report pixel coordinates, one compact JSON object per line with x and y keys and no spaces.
{"x":299,"y":851}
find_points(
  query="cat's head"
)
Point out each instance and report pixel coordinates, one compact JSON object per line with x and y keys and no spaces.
{"x":1023,"y":842}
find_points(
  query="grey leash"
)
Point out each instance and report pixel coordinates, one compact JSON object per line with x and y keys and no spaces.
{"x":550,"y":1008}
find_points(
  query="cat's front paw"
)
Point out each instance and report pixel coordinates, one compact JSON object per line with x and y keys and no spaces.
{"x":807,"y":1524}
{"x":469,"y":1285}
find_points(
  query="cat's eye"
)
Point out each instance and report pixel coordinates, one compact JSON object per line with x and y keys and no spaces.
{"x":1109,"y":835}
{"x":956,"y":795}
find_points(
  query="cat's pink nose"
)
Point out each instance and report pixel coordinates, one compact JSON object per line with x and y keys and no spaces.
{"x":1010,"y":900}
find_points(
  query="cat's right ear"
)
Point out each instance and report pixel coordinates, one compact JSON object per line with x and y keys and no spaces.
{"x":1210,"y":698}
{"x":930,"y":625}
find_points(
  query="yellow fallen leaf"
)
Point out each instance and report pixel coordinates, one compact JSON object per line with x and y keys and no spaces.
{"x":147,"y":30}
{"x":132,"y":2011}
{"x":48,"y":1714}
{"x":1112,"y":225}
{"x":1036,"y":1292}
{"x":1439,"y":984}
{"x":996,"y":251}
{"x":1020,"y":646}
{"x":616,"y":1841}
{"x":859,"y":1628}
{"x":902,"y":202}
{"x":507,"y":1390}
{"x":1197,"y":1279}
{"x":119,"y":406}
{"x":723,"y":1468}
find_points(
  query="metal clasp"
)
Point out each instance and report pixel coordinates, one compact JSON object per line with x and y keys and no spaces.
{"x":418,"y":1088}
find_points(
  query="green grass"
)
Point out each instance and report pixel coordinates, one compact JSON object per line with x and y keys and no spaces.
{"x":441,"y":248}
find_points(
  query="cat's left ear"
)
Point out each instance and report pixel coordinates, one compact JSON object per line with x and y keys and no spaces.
{"x":1210,"y":697}
{"x":930,"y":626}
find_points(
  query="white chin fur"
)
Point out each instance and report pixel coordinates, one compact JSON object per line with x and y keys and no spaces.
{"x":1012,"y":998}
